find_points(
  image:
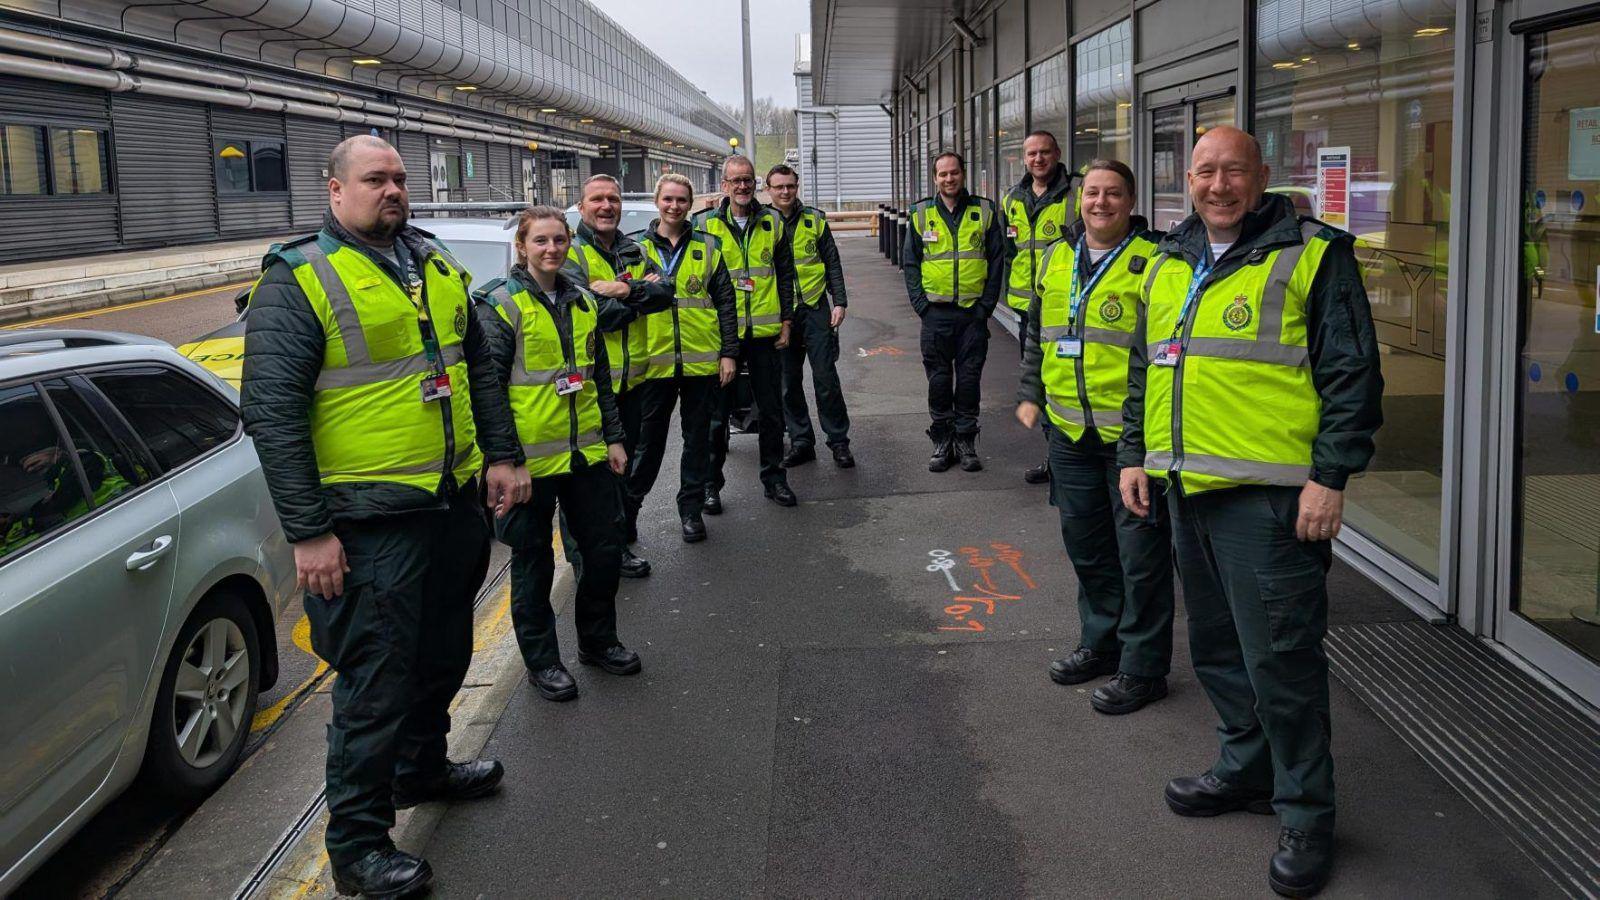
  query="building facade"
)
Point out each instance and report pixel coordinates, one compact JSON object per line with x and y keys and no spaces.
{"x":842,"y":148}
{"x":1459,"y":142}
{"x":126,"y":125}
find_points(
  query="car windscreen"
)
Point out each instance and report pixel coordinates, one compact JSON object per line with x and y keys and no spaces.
{"x":484,"y":259}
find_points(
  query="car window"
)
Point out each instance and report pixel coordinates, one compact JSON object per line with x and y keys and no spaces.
{"x":177,"y":417}
{"x":484,"y":259}
{"x":111,"y":467}
{"x":39,"y":486}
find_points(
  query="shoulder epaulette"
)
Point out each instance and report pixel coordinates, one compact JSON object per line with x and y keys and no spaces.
{"x":486,"y":294}
{"x":286,"y":251}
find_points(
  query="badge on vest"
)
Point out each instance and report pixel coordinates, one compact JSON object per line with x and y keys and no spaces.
{"x":569,"y":383}
{"x":694,"y":284}
{"x":745,"y":283}
{"x":435,"y":387}
{"x":1111,"y":308}
{"x":1238,"y":315}
{"x":1011,"y":231}
{"x":1168,"y":353}
{"x":1069,"y":347}
{"x":1136,"y":265}
{"x":1049,"y":229}
{"x":930,"y":236}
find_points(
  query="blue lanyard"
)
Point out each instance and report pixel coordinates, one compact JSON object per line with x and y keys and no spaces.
{"x":1096,"y":273}
{"x":1195,"y":281}
{"x":677,"y":257}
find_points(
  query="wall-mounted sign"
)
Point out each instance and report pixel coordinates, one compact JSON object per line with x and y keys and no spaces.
{"x":1583,"y":144}
{"x":469,"y":165}
{"x":1333,"y":186}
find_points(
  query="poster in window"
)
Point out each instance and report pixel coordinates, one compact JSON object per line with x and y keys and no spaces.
{"x":1583,"y":144}
{"x":1333,"y":186}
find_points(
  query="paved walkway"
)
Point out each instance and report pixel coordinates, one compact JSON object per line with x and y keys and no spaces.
{"x":820,"y":715}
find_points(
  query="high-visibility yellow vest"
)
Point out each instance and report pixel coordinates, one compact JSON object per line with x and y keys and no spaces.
{"x":368,"y":420}
{"x":627,"y":349}
{"x":749,"y":261}
{"x":1240,"y":406}
{"x":811,"y":275}
{"x":1033,"y":236}
{"x":954,"y":267}
{"x":1087,"y":390}
{"x":686,"y":339}
{"x":551,"y":427}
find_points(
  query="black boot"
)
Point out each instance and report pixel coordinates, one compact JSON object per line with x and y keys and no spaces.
{"x":965,"y":447}
{"x":1038,"y":474}
{"x":1207,"y":795}
{"x":633,"y":566}
{"x":616,"y":659}
{"x":843,"y":458}
{"x":780,"y":493}
{"x":383,"y":873}
{"x":459,"y":781}
{"x":694,"y":529}
{"x":554,"y":683}
{"x":799,"y":455}
{"x":1126,"y":693}
{"x":1302,"y":864}
{"x":713,"y":504}
{"x":944,"y":450}
{"x":1081,"y":665}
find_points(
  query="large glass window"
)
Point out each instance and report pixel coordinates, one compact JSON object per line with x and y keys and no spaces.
{"x":40,"y":489}
{"x":1013,"y":128}
{"x":1353,"y":116}
{"x":1051,"y":104}
{"x":1103,"y":64}
{"x":78,"y":157}
{"x":980,"y":167}
{"x":177,"y":418}
{"x":250,"y":166}
{"x":22,"y":160}
{"x":1557,"y":583}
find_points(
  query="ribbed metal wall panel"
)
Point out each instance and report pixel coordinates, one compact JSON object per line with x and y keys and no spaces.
{"x":501,"y":187}
{"x":251,"y":213}
{"x":413,"y":146}
{"x":30,"y":227}
{"x":475,"y":183}
{"x":310,"y":142}
{"x":164,"y":174}
{"x":858,"y":176}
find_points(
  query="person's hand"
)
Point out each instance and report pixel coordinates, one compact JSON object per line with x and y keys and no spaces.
{"x":616,"y":290}
{"x":836,"y":317}
{"x":319,"y":566}
{"x":727,"y":370}
{"x":507,"y":485}
{"x":1134,"y":483}
{"x":40,"y":460}
{"x":652,"y":278}
{"x":617,"y":457}
{"x":1028,"y":414}
{"x":783,"y":337}
{"x":1321,"y":513}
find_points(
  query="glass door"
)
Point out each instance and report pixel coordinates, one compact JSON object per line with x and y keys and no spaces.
{"x":1555,"y":564}
{"x":1174,"y":128}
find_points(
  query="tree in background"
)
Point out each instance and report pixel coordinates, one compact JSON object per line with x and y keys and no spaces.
{"x":776,"y":131}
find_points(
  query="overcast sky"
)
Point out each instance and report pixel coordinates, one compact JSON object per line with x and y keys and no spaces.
{"x":700,"y":38}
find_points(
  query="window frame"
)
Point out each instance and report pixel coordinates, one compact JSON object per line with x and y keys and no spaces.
{"x":249,"y":145}
{"x":103,"y":403}
{"x":50,"y":177}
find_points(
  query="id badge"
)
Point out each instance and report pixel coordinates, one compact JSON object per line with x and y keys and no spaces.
{"x":569,"y":383}
{"x":1011,"y":231}
{"x":435,"y":387}
{"x":930,"y":236}
{"x":1069,"y":347}
{"x":745,"y":284}
{"x":1168,"y":354}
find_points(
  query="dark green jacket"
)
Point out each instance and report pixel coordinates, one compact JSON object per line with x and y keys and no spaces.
{"x":1343,"y":346}
{"x":283,"y":349}
{"x":1062,"y":183}
{"x":720,"y":287}
{"x":644,"y":297}
{"x":782,"y":250}
{"x":994,"y":253}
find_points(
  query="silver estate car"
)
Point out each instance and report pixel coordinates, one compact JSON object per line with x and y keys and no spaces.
{"x":142,"y":571}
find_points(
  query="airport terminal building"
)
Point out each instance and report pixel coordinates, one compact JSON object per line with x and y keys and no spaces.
{"x":127,"y":125}
{"x":1459,"y":141}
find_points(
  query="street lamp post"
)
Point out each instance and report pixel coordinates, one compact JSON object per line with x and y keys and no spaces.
{"x":749,"y":91}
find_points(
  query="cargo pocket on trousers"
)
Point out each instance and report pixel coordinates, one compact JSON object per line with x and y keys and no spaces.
{"x":1296,"y":604}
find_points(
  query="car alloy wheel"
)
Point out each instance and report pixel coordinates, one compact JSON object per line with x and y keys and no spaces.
{"x":210,"y":695}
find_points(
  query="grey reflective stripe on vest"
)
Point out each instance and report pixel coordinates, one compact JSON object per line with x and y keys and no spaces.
{"x":954,"y":254}
{"x":1258,"y":350}
{"x":1070,"y":413}
{"x":377,"y":372}
{"x":543,"y":377}
{"x":344,"y":309}
{"x":1035,"y":243}
{"x":583,"y":261}
{"x":1248,"y":471}
{"x":564,"y":445}
{"x":1149,"y":280}
{"x":696,"y":303}
{"x":1093,"y":335}
{"x":756,"y":271}
{"x":1277,"y":290}
{"x":774,"y":319}
{"x":431,"y":467}
{"x":1020,"y":292}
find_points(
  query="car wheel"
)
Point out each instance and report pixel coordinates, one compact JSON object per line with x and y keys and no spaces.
{"x":206,"y":701}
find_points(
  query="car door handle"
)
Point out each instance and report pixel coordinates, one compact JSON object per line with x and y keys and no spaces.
{"x":151,"y":554}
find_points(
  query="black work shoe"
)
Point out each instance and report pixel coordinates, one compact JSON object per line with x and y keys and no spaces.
{"x":968,"y":452}
{"x":1126,"y":693}
{"x":1038,"y":474}
{"x":713,"y":505}
{"x":633,"y":566}
{"x":944,"y":453}
{"x":554,"y":683}
{"x":1201,"y":796}
{"x":383,"y":873}
{"x":1081,"y":665}
{"x":843,"y":458}
{"x":799,"y":455}
{"x":616,"y":659}
{"x":1302,"y":864}
{"x":694,"y":529}
{"x":780,"y":494}
{"x":459,"y":781}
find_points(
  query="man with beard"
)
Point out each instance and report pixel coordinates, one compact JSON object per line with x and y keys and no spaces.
{"x":369,"y":393}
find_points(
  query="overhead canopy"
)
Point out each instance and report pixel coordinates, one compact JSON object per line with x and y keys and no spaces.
{"x":861,"y":46}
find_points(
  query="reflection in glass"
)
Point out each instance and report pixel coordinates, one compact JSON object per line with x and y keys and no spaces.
{"x":1558,"y":382}
{"x":1013,"y":128}
{"x":1378,"y":88}
{"x":1048,"y":85}
{"x":980,"y":166}
{"x":1105,"y":96}
{"x":1168,"y":154}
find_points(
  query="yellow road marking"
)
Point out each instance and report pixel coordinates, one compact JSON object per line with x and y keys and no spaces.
{"x":134,"y":305}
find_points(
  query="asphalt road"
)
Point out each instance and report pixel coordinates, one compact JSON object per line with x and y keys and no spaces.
{"x":176,"y":320}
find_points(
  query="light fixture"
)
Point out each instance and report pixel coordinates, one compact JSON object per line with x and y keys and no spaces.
{"x":1431,"y":31}
{"x":587,"y":121}
{"x":1125,"y":105}
{"x":625,"y":130}
{"x":1305,"y":59}
{"x":367,"y":62}
{"x":1354,"y":45}
{"x":548,"y":109}
{"x":1286,"y":65}
{"x":466,"y":87}
{"x":1091,"y":131}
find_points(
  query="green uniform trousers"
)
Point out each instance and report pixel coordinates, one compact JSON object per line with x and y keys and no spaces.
{"x":400,"y":639}
{"x":1123,"y":562}
{"x":1257,"y":601}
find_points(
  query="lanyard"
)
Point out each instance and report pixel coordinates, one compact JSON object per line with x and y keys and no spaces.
{"x":677,"y":257}
{"x":1195,"y":281}
{"x":1081,"y":252}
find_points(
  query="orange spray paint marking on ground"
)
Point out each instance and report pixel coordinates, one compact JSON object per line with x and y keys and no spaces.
{"x":1012,"y":557}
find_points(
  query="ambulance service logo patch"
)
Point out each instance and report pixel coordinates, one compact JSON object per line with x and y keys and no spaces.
{"x":1238,"y":315}
{"x":694,"y":284}
{"x":1111,"y":308}
{"x":1049,"y":230}
{"x":807,"y":247}
{"x":589,"y":345}
{"x":766,"y":257}
{"x":461,"y":320}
